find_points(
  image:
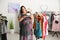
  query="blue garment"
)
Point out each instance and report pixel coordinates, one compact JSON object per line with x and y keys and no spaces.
{"x":38,"y":31}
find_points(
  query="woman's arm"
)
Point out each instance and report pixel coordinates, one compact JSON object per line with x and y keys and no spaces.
{"x":32,"y":18}
{"x":21,"y":18}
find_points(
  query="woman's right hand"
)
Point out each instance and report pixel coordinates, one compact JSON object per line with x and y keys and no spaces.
{"x":22,"y":18}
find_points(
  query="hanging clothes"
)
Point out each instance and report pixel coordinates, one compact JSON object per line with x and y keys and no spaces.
{"x":0,"y":29}
{"x":49,"y":21}
{"x":4,"y":28}
{"x":41,"y":25}
{"x":38,"y":31}
{"x":3,"y":31}
{"x":38,"y":25}
{"x":45,"y":26}
{"x":6,"y":22}
{"x":52,"y":18}
{"x":56,"y":24}
{"x":26,"y":29}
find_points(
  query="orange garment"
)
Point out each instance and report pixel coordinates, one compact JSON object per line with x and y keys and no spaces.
{"x":34,"y":25}
{"x":40,"y":19}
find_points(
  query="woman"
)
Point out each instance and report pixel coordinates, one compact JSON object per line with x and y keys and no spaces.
{"x":25,"y":32}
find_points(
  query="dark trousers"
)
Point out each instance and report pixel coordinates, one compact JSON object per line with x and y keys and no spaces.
{"x":4,"y":36}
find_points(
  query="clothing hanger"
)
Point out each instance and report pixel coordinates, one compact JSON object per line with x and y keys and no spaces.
{"x":43,"y":8}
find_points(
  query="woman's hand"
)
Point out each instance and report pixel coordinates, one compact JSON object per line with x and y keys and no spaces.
{"x":22,"y":18}
{"x":32,"y":18}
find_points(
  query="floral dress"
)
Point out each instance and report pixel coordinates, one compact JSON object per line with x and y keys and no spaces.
{"x":26,"y":29}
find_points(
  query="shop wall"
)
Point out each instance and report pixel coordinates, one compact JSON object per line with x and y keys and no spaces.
{"x":53,"y":5}
{"x":59,"y":5}
{"x":4,"y":12}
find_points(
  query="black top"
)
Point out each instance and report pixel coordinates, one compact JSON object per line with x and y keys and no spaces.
{"x":6,"y":22}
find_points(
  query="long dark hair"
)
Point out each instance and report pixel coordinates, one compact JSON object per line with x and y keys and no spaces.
{"x":21,"y":10}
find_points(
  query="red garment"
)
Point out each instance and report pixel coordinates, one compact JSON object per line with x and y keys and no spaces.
{"x":45,"y":23}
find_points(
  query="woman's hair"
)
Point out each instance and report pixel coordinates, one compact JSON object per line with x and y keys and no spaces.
{"x":21,"y":9}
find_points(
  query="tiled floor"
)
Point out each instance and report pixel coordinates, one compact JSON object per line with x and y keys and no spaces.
{"x":16,"y":37}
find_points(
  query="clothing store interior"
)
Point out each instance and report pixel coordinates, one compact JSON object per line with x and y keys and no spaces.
{"x":29,"y":19}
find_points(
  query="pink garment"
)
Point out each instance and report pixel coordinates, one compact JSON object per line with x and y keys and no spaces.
{"x":55,"y":27}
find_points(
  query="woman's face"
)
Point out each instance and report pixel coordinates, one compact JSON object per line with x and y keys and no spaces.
{"x":24,"y":10}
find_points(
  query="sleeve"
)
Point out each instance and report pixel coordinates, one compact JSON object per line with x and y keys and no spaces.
{"x":19,"y":17}
{"x":6,"y":21}
{"x":32,"y":18}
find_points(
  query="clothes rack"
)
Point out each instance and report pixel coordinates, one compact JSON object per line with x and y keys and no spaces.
{"x":41,"y":18}
{"x":55,"y":33}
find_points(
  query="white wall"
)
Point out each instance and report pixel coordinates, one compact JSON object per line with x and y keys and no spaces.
{"x":4,"y":12}
{"x":59,"y":5}
{"x":53,"y":5}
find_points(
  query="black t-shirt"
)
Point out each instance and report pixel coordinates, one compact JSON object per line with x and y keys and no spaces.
{"x":6,"y":22}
